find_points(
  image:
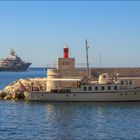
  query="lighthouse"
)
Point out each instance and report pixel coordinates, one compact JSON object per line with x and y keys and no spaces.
{"x":66,"y":52}
{"x":66,"y":63}
{"x":65,"y":67}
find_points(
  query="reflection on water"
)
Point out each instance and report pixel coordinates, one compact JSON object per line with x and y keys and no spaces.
{"x":69,"y":120}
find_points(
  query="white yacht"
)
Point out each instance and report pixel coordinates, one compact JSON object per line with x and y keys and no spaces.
{"x":102,"y":90}
{"x":64,"y":83}
{"x":13,"y":63}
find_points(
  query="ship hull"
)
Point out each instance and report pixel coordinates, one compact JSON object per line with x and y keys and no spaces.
{"x":16,"y":68}
{"x":86,"y":97}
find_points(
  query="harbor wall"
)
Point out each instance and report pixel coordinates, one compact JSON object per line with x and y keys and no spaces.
{"x":133,"y":73}
{"x":123,"y":72}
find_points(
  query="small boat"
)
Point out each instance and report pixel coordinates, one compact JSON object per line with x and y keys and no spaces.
{"x":64,"y":84}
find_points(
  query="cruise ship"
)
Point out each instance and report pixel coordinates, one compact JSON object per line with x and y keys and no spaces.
{"x":65,"y":84}
{"x":13,"y":63}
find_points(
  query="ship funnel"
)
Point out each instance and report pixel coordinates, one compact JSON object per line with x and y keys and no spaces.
{"x":66,"y":52}
{"x":103,"y":78}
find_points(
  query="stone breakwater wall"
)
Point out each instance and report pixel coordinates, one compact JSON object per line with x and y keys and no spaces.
{"x":133,"y":73}
{"x":15,"y":90}
{"x":123,"y":72}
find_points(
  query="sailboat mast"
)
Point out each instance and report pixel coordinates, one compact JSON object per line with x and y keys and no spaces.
{"x":87,"y":47}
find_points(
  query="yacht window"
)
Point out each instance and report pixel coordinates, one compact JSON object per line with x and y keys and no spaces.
{"x":103,"y":88}
{"x":115,"y":87}
{"x":85,"y":88}
{"x":126,"y":82}
{"x":89,"y":88}
{"x":109,"y":87}
{"x":96,"y":88}
{"x":130,"y":82}
{"x":122,"y":83}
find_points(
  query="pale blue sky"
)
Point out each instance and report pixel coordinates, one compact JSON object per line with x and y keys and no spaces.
{"x":38,"y":31}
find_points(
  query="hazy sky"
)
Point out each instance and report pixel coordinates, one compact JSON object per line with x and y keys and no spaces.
{"x":38,"y":31}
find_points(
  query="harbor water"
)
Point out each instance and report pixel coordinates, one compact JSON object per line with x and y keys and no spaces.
{"x":20,"y":120}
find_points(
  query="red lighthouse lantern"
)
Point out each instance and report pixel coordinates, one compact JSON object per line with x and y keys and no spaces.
{"x":66,"y":52}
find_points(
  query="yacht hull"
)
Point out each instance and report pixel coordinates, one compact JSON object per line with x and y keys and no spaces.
{"x":79,"y":97}
{"x":23,"y":67}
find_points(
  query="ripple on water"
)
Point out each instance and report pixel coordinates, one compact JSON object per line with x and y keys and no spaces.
{"x":69,"y":121}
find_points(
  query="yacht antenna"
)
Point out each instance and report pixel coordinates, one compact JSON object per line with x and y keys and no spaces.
{"x":87,"y":47}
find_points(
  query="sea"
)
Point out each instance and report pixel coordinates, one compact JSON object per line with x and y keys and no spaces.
{"x":22,"y":120}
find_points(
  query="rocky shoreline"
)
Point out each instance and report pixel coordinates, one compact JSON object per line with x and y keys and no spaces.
{"x":16,"y":89}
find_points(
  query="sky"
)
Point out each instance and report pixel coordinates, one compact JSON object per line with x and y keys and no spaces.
{"x":38,"y":31}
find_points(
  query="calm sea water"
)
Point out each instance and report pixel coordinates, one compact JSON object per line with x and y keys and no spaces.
{"x":66,"y":120}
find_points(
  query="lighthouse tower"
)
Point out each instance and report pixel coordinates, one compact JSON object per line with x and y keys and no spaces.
{"x":65,"y":67}
{"x":64,"y":75}
{"x":66,"y":63}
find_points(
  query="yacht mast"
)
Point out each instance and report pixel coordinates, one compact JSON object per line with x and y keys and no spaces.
{"x":87,"y":47}
{"x":100,"y":57}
